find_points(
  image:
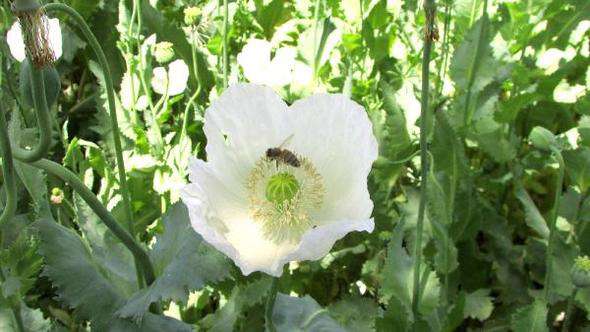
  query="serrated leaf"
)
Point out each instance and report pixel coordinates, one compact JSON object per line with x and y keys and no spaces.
{"x":302,"y":314}
{"x":32,"y":319}
{"x":83,"y":284}
{"x":398,"y":277}
{"x":478,"y":305}
{"x":241,"y":299}
{"x":355,"y":313}
{"x":531,"y":318}
{"x":183,"y":263}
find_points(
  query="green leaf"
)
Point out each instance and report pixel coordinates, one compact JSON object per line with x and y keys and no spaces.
{"x":398,"y":277}
{"x":183,"y":263}
{"x":302,"y":314}
{"x":355,"y":313}
{"x":34,"y":181}
{"x":577,"y":165}
{"x":72,"y":268}
{"x":472,"y":69}
{"x":531,"y":318}
{"x":533,"y":217}
{"x":32,"y":319}
{"x":241,"y":299}
{"x":270,"y":16}
{"x":479,"y":305}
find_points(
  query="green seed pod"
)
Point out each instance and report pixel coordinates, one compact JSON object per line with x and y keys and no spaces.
{"x":25,"y":5}
{"x":542,"y":138}
{"x":581,"y":272}
{"x":163,"y":52}
{"x":50,"y":79}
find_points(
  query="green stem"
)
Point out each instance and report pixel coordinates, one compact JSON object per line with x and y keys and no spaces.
{"x":553,"y":222}
{"x":109,"y":220}
{"x":442,"y":71}
{"x":569,"y":311}
{"x":108,"y":81}
{"x":43,"y":120}
{"x":225,"y":57}
{"x":109,"y":86}
{"x":7,"y":171}
{"x":316,"y":46}
{"x":429,"y":7}
{"x":270,"y":304}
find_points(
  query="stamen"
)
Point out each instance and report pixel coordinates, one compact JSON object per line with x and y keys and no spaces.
{"x":35,"y":31}
{"x":283,"y":198}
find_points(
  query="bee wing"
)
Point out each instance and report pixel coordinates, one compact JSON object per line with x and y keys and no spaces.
{"x":286,"y":141}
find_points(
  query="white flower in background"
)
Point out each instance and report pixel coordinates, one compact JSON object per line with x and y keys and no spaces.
{"x":16,"y":44}
{"x":264,"y":212}
{"x":128,"y":94}
{"x":259,"y":68}
{"x":549,"y":60}
{"x":173,"y":80}
{"x":568,"y":94}
{"x":579,"y":32}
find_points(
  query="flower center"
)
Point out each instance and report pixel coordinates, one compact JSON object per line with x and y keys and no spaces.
{"x":284,"y":197}
{"x":281,"y":187}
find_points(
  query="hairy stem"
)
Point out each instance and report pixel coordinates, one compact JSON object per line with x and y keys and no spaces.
{"x":270,"y":304}
{"x":429,"y":7}
{"x":553,"y":221}
{"x":7,"y":171}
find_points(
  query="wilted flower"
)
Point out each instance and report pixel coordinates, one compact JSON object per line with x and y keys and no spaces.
{"x":163,"y":52}
{"x":266,"y":208}
{"x":172,"y":81}
{"x":192,"y":15}
{"x":15,"y":41}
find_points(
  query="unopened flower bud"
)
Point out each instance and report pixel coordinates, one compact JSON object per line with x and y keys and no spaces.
{"x":163,"y":52}
{"x":542,"y":138}
{"x":57,"y":196}
{"x":581,"y":272}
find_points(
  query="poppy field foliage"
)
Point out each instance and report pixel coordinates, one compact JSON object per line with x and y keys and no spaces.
{"x":309,"y":165}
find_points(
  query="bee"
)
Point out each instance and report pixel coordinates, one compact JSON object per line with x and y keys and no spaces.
{"x":281,"y":155}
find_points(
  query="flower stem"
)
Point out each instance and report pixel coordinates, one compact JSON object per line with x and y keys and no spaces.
{"x":43,"y":119}
{"x":553,"y":221}
{"x":270,"y":304}
{"x":569,"y":311}
{"x":429,"y":7}
{"x":316,"y":46}
{"x":109,"y":220}
{"x":225,"y":58}
{"x":7,"y":166}
{"x":108,"y":81}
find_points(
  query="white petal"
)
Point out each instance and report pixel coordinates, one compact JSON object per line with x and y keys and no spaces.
{"x":159,"y":80}
{"x":55,"y":39}
{"x":252,"y":118}
{"x":281,"y":67}
{"x":255,"y":60}
{"x":179,"y":73}
{"x":15,"y":42}
{"x":175,"y":79}
{"x":317,"y":242}
{"x":221,"y":217}
{"x":335,"y":133}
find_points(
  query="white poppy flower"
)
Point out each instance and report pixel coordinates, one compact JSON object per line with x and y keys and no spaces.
{"x":128,"y":94}
{"x":259,"y":68}
{"x":16,"y":44}
{"x":175,"y":78}
{"x":264,"y":213}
